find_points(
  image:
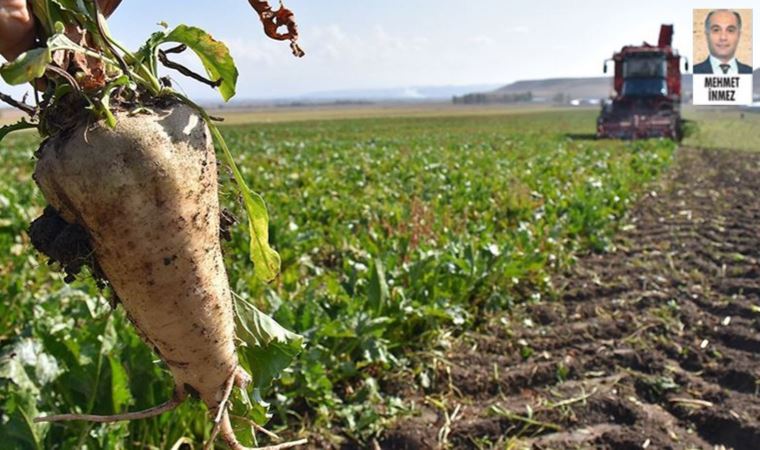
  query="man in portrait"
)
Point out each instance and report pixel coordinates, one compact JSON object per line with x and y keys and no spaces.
{"x":723,"y":29}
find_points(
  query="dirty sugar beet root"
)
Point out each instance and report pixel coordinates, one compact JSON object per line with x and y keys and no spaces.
{"x":129,"y":170}
{"x":146,"y":192}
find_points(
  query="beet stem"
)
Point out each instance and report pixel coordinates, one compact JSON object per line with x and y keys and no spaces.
{"x":28,"y":109}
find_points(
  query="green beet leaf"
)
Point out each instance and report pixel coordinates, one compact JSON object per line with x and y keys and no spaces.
{"x":47,"y":14}
{"x":377,"y":291}
{"x":32,"y":65}
{"x":214,"y":55}
{"x":27,"y":67}
{"x":76,"y":7}
{"x":20,"y":125}
{"x":266,"y":261}
{"x":18,"y":399}
{"x":18,"y":430}
{"x":120,"y":394}
{"x":269,"y":348}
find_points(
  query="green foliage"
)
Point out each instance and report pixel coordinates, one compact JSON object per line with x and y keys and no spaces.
{"x":266,"y":261}
{"x":269,"y":348}
{"x":730,"y":128}
{"x":213,"y":54}
{"x":28,"y":66}
{"x":47,"y":14}
{"x":134,"y":76}
{"x":33,"y":63}
{"x":18,"y":126}
{"x":394,"y":233}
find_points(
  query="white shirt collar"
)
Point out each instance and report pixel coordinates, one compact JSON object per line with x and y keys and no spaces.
{"x":715,"y":63}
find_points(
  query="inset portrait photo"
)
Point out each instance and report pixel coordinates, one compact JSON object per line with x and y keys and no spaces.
{"x":723,"y":41}
{"x":722,"y":56}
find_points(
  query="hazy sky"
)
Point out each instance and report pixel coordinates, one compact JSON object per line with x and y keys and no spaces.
{"x":393,"y":43}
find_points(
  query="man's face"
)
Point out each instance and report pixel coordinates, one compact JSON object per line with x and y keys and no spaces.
{"x":723,"y":35}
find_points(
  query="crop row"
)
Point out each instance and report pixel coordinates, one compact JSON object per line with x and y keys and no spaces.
{"x":395,"y":234}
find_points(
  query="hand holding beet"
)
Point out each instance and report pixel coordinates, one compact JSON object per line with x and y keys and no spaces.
{"x":16,"y":28}
{"x":17,"y":25}
{"x":128,"y":167}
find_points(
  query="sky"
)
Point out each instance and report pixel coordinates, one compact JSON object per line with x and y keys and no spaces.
{"x":374,"y":44}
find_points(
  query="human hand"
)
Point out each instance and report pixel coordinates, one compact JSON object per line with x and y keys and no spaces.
{"x":17,"y":25}
{"x":16,"y":28}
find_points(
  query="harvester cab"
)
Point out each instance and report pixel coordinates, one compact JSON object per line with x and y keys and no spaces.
{"x":646,"y":101}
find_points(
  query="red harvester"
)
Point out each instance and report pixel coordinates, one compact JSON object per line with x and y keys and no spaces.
{"x":647,"y":97}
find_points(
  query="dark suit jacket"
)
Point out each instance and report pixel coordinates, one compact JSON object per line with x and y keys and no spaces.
{"x":706,"y":67}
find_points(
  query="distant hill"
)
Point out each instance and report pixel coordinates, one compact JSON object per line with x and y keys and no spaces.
{"x":566,"y":89}
{"x":408,"y":93}
{"x":596,"y":87}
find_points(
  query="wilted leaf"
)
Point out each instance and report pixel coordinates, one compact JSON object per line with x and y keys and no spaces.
{"x":214,"y":55}
{"x":266,"y":261}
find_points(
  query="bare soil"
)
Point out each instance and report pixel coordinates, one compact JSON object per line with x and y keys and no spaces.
{"x":653,"y":345}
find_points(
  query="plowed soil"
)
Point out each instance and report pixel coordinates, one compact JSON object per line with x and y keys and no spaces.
{"x":653,"y":345}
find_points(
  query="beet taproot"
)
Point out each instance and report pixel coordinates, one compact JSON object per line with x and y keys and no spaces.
{"x":129,"y":170}
{"x":146,"y":192}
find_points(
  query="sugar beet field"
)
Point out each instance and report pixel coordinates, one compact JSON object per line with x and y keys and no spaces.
{"x":484,"y":281}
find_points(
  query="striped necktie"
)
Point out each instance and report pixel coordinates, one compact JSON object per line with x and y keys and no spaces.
{"x":725,"y":67}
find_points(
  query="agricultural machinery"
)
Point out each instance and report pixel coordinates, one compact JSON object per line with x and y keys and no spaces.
{"x":646,"y":101}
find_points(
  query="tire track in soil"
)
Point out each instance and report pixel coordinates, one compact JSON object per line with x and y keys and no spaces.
{"x":653,"y":345}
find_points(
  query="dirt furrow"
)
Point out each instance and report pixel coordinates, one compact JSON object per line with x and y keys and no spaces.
{"x":654,"y":344}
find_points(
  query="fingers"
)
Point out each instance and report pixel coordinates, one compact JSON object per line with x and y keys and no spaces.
{"x":17,"y":25}
{"x":16,"y":28}
{"x":107,"y":7}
